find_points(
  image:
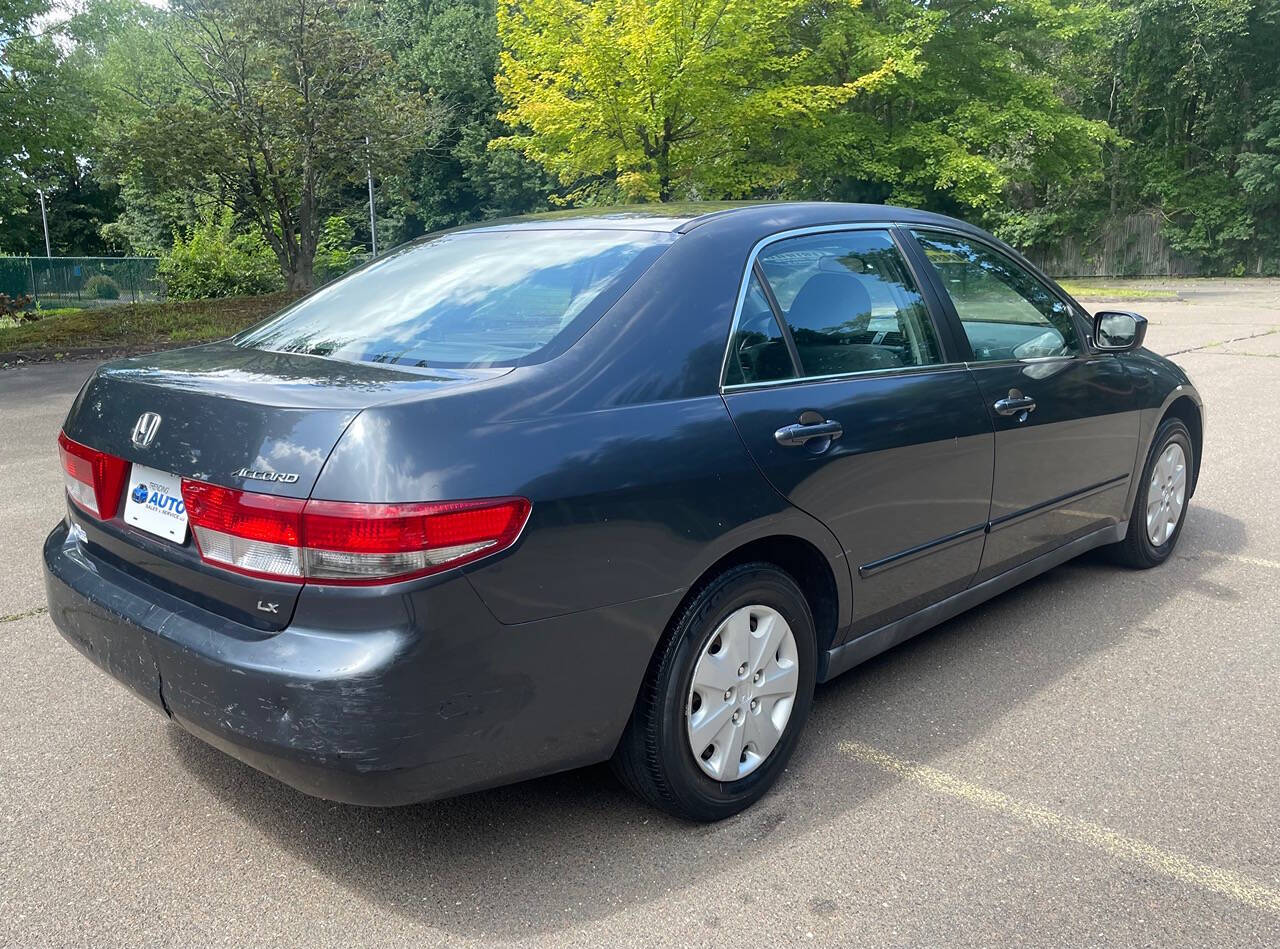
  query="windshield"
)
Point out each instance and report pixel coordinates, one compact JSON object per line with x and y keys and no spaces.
{"x":470,"y":299}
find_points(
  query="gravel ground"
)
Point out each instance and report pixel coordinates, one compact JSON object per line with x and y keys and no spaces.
{"x":1089,"y":759}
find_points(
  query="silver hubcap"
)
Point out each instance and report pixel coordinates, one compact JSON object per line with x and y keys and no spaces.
{"x":1166,"y":494}
{"x":744,"y":687}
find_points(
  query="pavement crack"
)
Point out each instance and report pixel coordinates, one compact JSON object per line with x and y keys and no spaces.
{"x":23,"y":614}
{"x":1224,"y":342}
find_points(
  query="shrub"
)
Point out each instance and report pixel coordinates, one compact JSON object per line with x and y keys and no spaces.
{"x":214,"y":261}
{"x":334,"y":254}
{"x":101,"y":287}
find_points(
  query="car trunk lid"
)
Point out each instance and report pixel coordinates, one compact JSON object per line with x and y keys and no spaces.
{"x":228,"y":415}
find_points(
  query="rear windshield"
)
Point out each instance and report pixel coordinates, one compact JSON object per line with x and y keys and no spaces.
{"x":479,"y":298}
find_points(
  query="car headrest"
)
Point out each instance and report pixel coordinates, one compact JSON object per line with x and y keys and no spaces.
{"x":828,"y":300}
{"x":846,"y":264}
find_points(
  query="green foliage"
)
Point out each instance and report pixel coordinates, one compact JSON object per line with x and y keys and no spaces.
{"x":265,"y":108}
{"x":101,"y":287}
{"x":214,"y":261}
{"x":1185,"y":85}
{"x":447,"y":51}
{"x":975,"y":122}
{"x":657,"y":99}
{"x":47,"y":84}
{"x":1045,"y":119}
{"x":334,"y":253}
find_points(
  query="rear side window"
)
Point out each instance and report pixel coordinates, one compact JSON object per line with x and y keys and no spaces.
{"x":849,"y":303}
{"x":480,"y":298}
{"x":758,"y":351}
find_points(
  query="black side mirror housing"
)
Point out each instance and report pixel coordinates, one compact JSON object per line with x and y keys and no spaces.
{"x":1118,"y":331}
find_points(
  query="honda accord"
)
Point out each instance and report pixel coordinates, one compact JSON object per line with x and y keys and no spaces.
{"x":605,"y":485}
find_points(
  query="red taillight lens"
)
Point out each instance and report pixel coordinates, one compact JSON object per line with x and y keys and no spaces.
{"x":94,"y":479}
{"x":258,"y":534}
{"x":356,"y":543}
{"x":243,"y":513}
{"x":342,"y":542}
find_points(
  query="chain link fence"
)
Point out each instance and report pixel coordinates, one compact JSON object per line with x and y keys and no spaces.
{"x":81,"y":281}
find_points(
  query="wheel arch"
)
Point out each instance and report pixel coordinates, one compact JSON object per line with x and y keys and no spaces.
{"x":1185,"y":408}
{"x":799,"y":558}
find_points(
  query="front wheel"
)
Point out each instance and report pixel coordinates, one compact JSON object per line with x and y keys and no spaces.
{"x":725,"y":698}
{"x":1160,"y":506}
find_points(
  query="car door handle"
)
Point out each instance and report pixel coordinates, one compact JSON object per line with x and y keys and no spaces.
{"x":799,"y":434}
{"x":1015,"y":404}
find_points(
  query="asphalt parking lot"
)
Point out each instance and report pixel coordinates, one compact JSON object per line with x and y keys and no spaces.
{"x":1090,"y":759}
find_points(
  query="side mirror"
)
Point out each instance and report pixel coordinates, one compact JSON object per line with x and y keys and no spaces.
{"x":1118,"y":331}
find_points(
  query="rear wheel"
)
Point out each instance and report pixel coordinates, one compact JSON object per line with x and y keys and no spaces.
{"x":1160,"y":507}
{"x":725,"y":698}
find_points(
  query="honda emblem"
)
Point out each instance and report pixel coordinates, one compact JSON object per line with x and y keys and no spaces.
{"x":144,"y":430}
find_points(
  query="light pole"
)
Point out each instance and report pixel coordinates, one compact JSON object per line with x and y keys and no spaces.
{"x":373,"y":220}
{"x":45,"y":221}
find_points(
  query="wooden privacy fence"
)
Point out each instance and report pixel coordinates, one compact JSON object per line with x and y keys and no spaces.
{"x":1128,"y":246}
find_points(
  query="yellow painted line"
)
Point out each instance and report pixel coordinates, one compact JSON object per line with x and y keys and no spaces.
{"x":1233,"y":885}
{"x":1241,"y":558}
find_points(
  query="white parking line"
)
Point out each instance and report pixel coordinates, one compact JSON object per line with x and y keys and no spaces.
{"x":1228,"y":883}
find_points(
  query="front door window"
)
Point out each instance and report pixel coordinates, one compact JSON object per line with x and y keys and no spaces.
{"x":1005,"y":311}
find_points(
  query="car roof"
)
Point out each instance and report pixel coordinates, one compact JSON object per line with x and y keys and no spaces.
{"x":684,"y":217}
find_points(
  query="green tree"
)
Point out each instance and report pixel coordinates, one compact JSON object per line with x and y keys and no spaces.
{"x":1259,"y":177}
{"x":270,"y":118}
{"x":1185,"y":84}
{"x":46,"y":94}
{"x":981,"y":124}
{"x":656,"y":99}
{"x":447,"y":51}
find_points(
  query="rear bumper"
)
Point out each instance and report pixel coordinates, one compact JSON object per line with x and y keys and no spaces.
{"x":440,"y":698}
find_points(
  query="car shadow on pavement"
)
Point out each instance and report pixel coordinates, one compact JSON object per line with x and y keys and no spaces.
{"x":557,"y":852}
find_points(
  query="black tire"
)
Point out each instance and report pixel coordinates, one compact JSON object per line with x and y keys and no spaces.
{"x":1137,"y":550}
{"x":653,"y":758}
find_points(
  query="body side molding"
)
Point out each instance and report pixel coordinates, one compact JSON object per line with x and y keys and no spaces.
{"x":843,"y":658}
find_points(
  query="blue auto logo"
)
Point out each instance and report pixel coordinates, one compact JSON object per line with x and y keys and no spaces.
{"x":140,"y":494}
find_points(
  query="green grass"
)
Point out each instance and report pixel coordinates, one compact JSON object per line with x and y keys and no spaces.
{"x":138,"y":325}
{"x":1099,"y":291}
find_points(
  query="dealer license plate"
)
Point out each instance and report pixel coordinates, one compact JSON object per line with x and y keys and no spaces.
{"x":154,"y":503}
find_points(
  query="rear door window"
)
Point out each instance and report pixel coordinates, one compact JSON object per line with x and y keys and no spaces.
{"x":468,"y":299}
{"x":850,"y":303}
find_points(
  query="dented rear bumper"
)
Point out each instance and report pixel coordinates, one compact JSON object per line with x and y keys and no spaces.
{"x":377,"y":699}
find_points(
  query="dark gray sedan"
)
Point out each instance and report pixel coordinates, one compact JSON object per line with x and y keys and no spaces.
{"x":534,"y":494}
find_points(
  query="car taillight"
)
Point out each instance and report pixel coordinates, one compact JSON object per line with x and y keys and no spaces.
{"x":94,"y":479}
{"x":345,"y":542}
{"x":257,"y":534}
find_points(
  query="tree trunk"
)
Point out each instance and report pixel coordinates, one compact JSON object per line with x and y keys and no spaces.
{"x":302,"y":277}
{"x":664,"y":163}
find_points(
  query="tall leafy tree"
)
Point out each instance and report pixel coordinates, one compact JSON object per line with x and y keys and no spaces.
{"x":45,"y":132}
{"x":1186,"y":87}
{"x":271,"y":117}
{"x":447,"y":51}
{"x":658,"y":99}
{"x":982,"y":123}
